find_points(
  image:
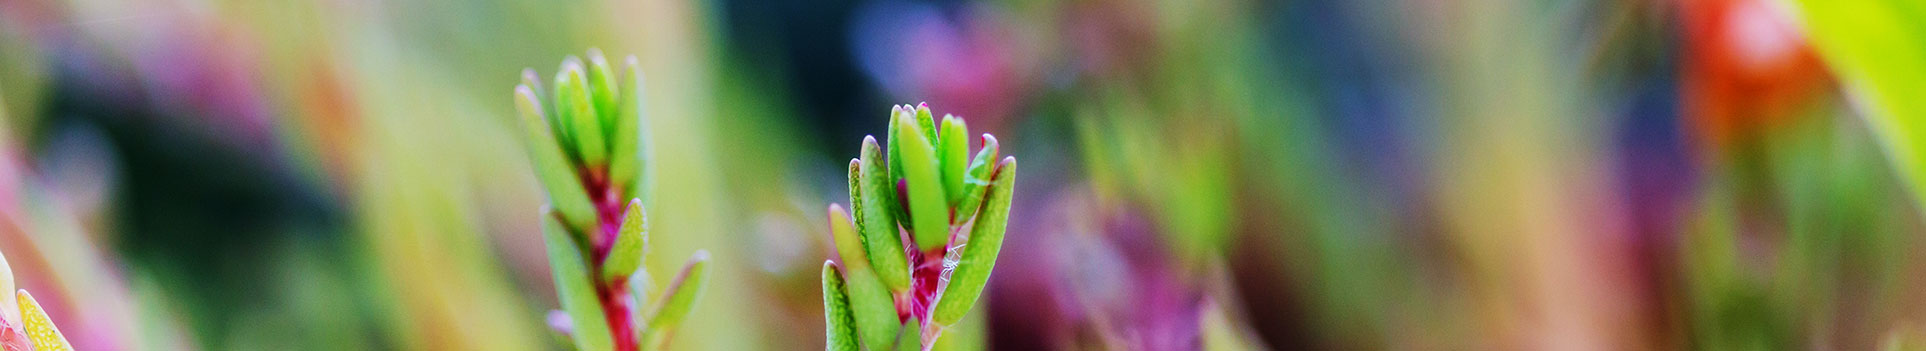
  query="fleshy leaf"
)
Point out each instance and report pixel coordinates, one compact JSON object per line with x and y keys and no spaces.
{"x":869,"y":301}
{"x":953,"y":153}
{"x":928,"y":212}
{"x":565,"y":191}
{"x":40,"y":329}
{"x":837,"y":320}
{"x":574,"y":288}
{"x":972,"y":270}
{"x":626,"y":154}
{"x":893,"y":150}
{"x":677,"y":299}
{"x":577,"y":107}
{"x":630,"y":241}
{"x":534,"y":83}
{"x":560,"y":110}
{"x":975,"y":180}
{"x":926,"y":122}
{"x":873,"y":195}
{"x":602,"y":88}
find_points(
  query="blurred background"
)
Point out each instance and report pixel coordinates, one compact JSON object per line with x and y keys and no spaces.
{"x":1265,"y":174}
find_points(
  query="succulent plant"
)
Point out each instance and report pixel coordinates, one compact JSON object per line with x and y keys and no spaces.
{"x":587,"y":149}
{"x":926,"y":226}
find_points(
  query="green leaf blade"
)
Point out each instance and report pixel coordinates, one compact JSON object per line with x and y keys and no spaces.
{"x":574,"y":288}
{"x":627,"y":158}
{"x":565,"y":191}
{"x":975,"y":180}
{"x":577,"y":107}
{"x":979,"y":254}
{"x":838,"y":323}
{"x":681,"y":295}
{"x":926,"y":122}
{"x":893,"y":149}
{"x":928,"y":211}
{"x":602,"y":89}
{"x":631,"y":240}
{"x":953,"y":154}
{"x":873,"y":195}
{"x":869,"y":301}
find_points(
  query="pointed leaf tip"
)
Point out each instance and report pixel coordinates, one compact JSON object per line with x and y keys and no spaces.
{"x":926,"y":121}
{"x":677,"y":300}
{"x":975,"y":180}
{"x":532,"y":80}
{"x":842,"y":232}
{"x":631,"y":241}
{"x":681,"y":295}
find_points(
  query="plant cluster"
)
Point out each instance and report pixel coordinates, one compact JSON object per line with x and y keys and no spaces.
{"x":588,"y":151}
{"x":925,"y":224}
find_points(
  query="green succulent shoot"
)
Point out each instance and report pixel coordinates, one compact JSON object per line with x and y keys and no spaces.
{"x":585,"y":138}
{"x":922,"y":233}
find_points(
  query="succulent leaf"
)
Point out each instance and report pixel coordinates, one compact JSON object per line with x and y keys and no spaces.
{"x":893,"y":151}
{"x":561,"y":111}
{"x":928,"y":211}
{"x":625,"y":256}
{"x":626,"y":153}
{"x":979,"y":253}
{"x":838,"y":323}
{"x":602,"y":89}
{"x":953,"y":153}
{"x":678,"y":299}
{"x":574,"y":287}
{"x":577,"y":106}
{"x":533,"y":81}
{"x":40,"y":329}
{"x":873,"y":195}
{"x":869,"y":301}
{"x":975,"y":180}
{"x":926,"y":122}
{"x":565,"y":192}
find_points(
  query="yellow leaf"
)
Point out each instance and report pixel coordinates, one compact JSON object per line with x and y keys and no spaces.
{"x":40,"y":329}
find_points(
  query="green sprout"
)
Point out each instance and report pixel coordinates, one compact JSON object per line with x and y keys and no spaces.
{"x":950,"y":207}
{"x":587,"y":149}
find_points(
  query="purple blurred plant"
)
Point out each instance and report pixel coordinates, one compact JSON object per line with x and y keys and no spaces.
{"x":928,"y":223}
{"x":587,"y":150}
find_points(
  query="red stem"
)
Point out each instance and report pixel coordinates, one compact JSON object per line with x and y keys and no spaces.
{"x":619,"y":309}
{"x":618,"y":306}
